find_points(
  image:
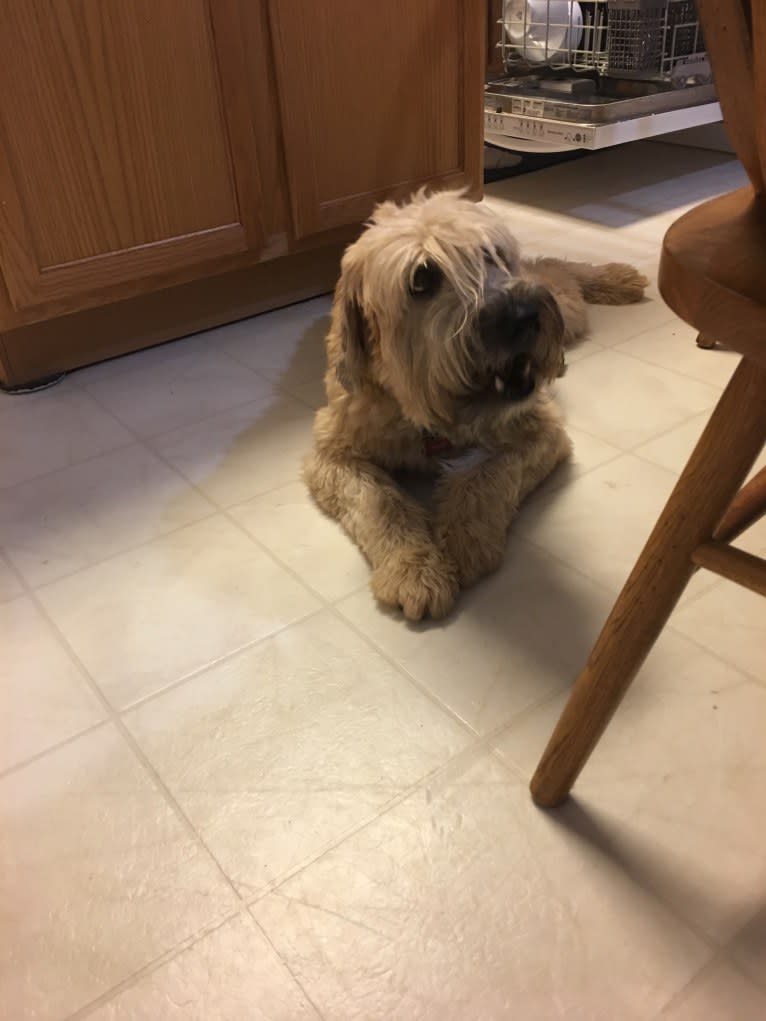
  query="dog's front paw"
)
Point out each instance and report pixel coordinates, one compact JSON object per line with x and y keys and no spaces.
{"x":420,"y":580}
{"x":475,"y":551}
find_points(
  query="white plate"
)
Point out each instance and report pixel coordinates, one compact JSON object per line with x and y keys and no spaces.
{"x":543,"y":30}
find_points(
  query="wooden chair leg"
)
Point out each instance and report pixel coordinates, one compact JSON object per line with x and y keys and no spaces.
{"x":747,"y":507}
{"x":725,"y":453}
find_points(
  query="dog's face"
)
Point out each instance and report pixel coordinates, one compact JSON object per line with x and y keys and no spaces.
{"x":432,"y":307}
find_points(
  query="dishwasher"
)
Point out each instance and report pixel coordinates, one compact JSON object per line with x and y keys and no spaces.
{"x":587,"y":74}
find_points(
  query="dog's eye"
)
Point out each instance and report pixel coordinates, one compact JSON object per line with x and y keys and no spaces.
{"x":425,"y":280}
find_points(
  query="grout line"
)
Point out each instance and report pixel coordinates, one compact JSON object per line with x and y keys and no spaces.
{"x":56,"y":746}
{"x":728,"y":958}
{"x":216,"y":509}
{"x":197,"y":837}
{"x":456,"y":763}
{"x":64,"y":468}
{"x":746,"y":674}
{"x":134,"y":547}
{"x":614,"y":593}
{"x":115,"y":717}
{"x":211,"y":664}
{"x":130,"y":441}
{"x":154,"y":965}
{"x":403,"y":671}
{"x":225,"y":512}
{"x":38,"y":587}
{"x":294,"y":395}
{"x":156,"y":780}
{"x":682,"y":995}
{"x":285,"y":965}
{"x":148,"y":438}
{"x":719,"y":387}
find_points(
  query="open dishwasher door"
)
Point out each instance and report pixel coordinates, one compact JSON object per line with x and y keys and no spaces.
{"x":596,"y":73}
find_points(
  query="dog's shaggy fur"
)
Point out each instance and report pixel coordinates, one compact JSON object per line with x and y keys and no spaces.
{"x":439,"y":329}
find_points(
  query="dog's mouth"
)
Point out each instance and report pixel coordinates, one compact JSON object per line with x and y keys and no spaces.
{"x":517,"y":380}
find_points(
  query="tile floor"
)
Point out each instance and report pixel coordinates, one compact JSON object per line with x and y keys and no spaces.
{"x":233,"y":788}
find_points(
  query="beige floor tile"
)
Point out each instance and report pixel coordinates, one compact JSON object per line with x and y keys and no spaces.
{"x":148,"y":617}
{"x":465,"y":901}
{"x":44,"y":696}
{"x":75,"y":517}
{"x":286,"y":346}
{"x":648,"y":211}
{"x":312,"y":394}
{"x":614,"y":325}
{"x":730,"y":621}
{"x":514,"y":639}
{"x":589,"y":453}
{"x":583,"y":349}
{"x":672,"y":787}
{"x":10,"y":586}
{"x":626,"y":401}
{"x":191,"y":384}
{"x":278,"y":752}
{"x":748,"y":946}
{"x":719,"y":994}
{"x":563,"y":236}
{"x":99,"y":877}
{"x":243,"y":452}
{"x":232,"y":974}
{"x":672,"y":451}
{"x":674,"y":346}
{"x":147,"y":361}
{"x":288,"y":522}
{"x":599,"y":522}
{"x":642,"y":180}
{"x":582,"y":241}
{"x":55,"y":428}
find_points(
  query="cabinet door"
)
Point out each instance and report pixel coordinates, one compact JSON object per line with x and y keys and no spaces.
{"x":376,"y":99}
{"x":126,"y":144}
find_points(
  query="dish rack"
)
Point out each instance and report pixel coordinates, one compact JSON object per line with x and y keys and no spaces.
{"x":594,"y":73}
{"x":643,"y":39}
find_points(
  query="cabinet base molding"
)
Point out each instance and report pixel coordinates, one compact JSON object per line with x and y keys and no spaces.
{"x":33,"y":353}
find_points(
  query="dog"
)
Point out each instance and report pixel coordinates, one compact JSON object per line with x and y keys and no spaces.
{"x":441,"y":346}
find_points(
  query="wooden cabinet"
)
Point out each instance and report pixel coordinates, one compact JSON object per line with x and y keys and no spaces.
{"x":126,"y":151}
{"x":376,"y":100}
{"x":149,"y":144}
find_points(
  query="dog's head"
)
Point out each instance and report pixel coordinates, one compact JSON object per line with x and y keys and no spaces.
{"x":431,"y":306}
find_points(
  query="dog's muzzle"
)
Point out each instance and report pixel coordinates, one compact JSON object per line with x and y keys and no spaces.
{"x":515,"y":332}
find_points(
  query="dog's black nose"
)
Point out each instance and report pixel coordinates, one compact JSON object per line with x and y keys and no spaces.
{"x":509,"y":318}
{"x":523,"y":313}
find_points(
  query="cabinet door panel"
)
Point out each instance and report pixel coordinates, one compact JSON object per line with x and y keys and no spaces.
{"x":376,"y":99}
{"x":125,"y":149}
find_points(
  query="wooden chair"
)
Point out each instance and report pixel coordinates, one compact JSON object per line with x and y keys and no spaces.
{"x":713,"y":275}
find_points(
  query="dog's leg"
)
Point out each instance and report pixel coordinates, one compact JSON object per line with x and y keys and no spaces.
{"x":476,"y":506}
{"x":576,"y":284}
{"x":391,"y":529}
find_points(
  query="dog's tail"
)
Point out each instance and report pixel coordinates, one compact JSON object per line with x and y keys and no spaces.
{"x":613,"y":283}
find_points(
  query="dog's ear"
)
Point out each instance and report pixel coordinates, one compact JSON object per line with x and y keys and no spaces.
{"x":383,"y":211}
{"x":350,"y":327}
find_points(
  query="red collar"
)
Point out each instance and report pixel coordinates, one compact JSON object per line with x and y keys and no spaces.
{"x":436,"y":446}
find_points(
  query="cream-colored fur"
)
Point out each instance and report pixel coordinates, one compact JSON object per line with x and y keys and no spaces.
{"x":401,"y":365}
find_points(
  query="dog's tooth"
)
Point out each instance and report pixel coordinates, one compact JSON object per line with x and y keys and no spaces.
{"x":499,"y":384}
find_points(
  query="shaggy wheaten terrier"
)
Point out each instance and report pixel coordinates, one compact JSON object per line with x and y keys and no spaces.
{"x":440,"y":348}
